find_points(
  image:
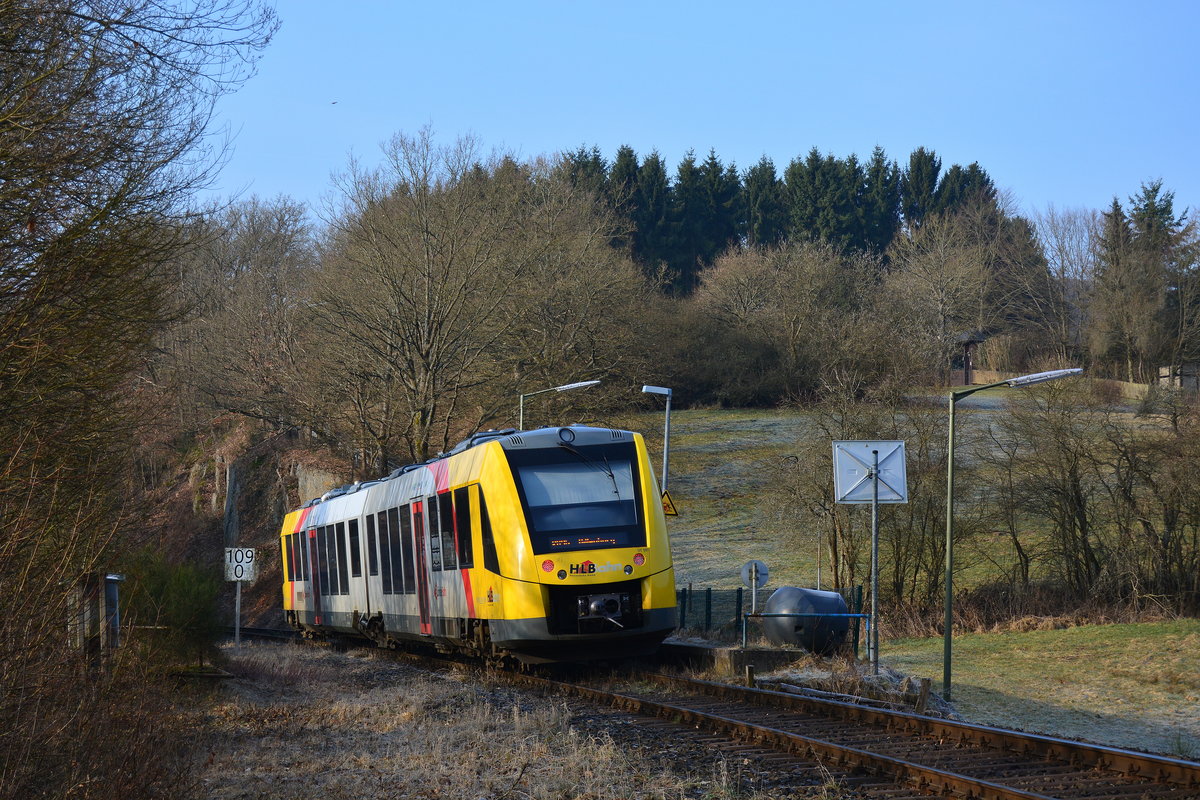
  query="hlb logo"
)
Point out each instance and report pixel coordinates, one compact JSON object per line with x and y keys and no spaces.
{"x":591,"y":568}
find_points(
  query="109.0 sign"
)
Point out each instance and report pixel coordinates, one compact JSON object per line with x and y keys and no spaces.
{"x":240,"y":564}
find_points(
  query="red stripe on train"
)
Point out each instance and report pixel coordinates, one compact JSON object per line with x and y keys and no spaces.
{"x":466,"y":579}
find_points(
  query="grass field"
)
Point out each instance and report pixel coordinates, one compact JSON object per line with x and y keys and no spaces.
{"x":1134,"y":686}
{"x":724,"y":472}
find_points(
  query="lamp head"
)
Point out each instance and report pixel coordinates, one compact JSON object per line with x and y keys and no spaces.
{"x":1042,"y":377}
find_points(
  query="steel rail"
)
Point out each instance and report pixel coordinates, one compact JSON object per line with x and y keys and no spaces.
{"x":921,"y":777}
{"x":1160,"y":769}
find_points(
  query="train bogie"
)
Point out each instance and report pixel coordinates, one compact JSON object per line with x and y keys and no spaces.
{"x":545,"y":545}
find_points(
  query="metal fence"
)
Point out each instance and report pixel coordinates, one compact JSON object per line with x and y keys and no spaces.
{"x":717,"y":613}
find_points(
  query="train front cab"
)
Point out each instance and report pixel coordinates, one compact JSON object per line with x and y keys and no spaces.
{"x":582,"y":546}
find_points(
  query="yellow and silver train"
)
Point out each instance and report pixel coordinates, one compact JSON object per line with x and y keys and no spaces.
{"x":546,"y":545}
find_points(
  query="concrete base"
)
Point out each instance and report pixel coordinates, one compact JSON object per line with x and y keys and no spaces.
{"x":725,"y":660}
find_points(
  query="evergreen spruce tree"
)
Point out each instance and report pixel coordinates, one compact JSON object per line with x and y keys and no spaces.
{"x":918,"y":186}
{"x":622,"y":194}
{"x":880,"y":202}
{"x":960,"y":186}
{"x":839,"y":213}
{"x":763,"y":193}
{"x":1118,"y":298}
{"x":586,"y":169}
{"x":623,"y":181}
{"x":651,"y":226}
{"x":822,"y":195}
{"x":801,"y":196}
{"x":1163,"y":251}
{"x":689,"y":218}
{"x":721,"y":216}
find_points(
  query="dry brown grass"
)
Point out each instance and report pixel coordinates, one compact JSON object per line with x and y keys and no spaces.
{"x":301,"y":722}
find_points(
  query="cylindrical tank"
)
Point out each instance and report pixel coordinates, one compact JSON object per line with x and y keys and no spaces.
{"x":821,"y":634}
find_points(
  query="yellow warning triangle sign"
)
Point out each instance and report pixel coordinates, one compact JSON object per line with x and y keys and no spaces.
{"x":669,"y":506}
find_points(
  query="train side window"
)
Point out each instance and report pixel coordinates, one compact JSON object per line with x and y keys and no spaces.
{"x":355,"y":552}
{"x":314,"y":548}
{"x":490,"y":561}
{"x":305,"y":566}
{"x":462,"y":526}
{"x":385,"y":554}
{"x":320,"y":560}
{"x":297,"y":541}
{"x":343,"y":562}
{"x":446,"y":513}
{"x":435,"y":534}
{"x":330,"y":561}
{"x":331,"y":548}
{"x":406,"y":545}
{"x":372,"y":554}
{"x":397,"y":547}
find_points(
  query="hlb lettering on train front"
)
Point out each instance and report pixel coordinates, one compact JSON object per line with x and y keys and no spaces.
{"x":591,"y":568}
{"x":551,"y":522}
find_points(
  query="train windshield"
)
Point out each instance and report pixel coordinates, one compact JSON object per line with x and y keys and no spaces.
{"x":583,"y":498}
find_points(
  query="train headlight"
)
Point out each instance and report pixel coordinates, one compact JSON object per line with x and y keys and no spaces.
{"x":562,"y":574}
{"x":628,"y":569}
{"x":566,"y":435}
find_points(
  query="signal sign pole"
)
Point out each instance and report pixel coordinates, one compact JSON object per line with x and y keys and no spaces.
{"x":240,"y":567}
{"x":859,"y":473}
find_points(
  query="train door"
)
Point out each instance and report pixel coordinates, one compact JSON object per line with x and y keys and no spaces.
{"x":421,"y":542}
{"x":359,"y":596}
{"x":436,"y":507}
{"x":314,"y":559}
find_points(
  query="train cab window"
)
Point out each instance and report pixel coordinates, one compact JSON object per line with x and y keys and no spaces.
{"x":372,"y":554}
{"x":490,"y":561}
{"x":406,"y":547}
{"x":446,"y":514}
{"x":395,"y":532}
{"x":343,"y":562}
{"x":385,"y":554}
{"x":355,"y":552}
{"x":435,"y":534}
{"x":581,"y":498}
{"x":462,"y":525}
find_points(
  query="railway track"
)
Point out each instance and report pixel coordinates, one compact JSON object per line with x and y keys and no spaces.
{"x":921,"y":756}
{"x":875,"y":752}
{"x":266,"y":634}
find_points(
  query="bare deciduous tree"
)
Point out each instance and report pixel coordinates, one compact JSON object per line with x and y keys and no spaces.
{"x":104,"y":108}
{"x":449,"y":279}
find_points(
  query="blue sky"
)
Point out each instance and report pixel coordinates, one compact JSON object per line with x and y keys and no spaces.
{"x":1063,"y":103}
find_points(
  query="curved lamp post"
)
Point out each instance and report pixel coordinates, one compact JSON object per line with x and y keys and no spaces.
{"x":955,"y":396}
{"x":665,"y":392}
{"x":564,"y":388}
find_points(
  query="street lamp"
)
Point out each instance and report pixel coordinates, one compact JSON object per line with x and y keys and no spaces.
{"x":666,"y":431}
{"x":955,"y":396}
{"x":564,"y":388}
